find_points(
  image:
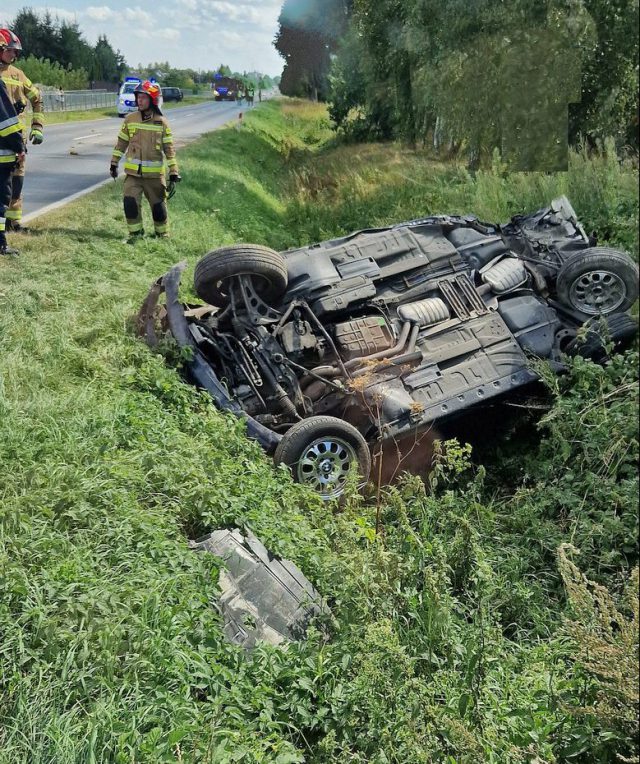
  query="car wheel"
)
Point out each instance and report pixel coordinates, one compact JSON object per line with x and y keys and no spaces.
{"x":620,"y":330}
{"x":321,"y":453}
{"x":267,"y":268}
{"x":598,"y":281}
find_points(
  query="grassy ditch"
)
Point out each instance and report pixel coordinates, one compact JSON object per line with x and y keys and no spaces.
{"x":459,"y":633}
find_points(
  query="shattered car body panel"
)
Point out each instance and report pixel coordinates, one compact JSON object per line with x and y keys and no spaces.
{"x":389,"y":330}
{"x":263,"y":598}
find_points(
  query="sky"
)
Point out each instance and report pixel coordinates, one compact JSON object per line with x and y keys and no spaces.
{"x":196,"y":34}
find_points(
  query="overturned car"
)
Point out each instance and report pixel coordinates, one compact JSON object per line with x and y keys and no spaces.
{"x":372,"y":338}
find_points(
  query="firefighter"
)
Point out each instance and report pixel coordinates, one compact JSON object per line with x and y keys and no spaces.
{"x":20,"y":91}
{"x":146,"y":140}
{"x":11,"y":149}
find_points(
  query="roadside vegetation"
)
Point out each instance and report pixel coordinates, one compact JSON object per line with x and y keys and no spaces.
{"x":56,"y":117}
{"x":468,"y":629}
{"x":520,"y":75}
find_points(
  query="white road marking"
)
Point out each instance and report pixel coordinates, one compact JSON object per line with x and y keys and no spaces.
{"x":91,"y":135}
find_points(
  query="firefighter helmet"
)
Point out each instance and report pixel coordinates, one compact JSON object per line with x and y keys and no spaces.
{"x":150,"y":89}
{"x":10,"y":40}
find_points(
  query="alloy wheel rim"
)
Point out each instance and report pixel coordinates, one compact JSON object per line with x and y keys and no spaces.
{"x":598,"y":292}
{"x":325,"y":465}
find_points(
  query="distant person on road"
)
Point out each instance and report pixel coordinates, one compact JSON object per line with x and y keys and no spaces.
{"x":11,"y":149}
{"x":259,"y":95}
{"x":20,"y":90}
{"x":145,"y":140}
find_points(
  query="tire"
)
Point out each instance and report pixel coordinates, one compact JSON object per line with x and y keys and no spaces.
{"x":598,"y":281}
{"x":321,"y":452}
{"x":267,"y":268}
{"x":620,"y":331}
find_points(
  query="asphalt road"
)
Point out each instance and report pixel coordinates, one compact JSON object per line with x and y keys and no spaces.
{"x":74,"y":157}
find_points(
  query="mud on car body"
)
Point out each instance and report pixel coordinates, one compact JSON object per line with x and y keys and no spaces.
{"x":328,"y":349}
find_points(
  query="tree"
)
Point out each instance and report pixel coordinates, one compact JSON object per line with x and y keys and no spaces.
{"x":59,"y":46}
{"x":609,"y":102}
{"x":107,"y":64}
{"x":28,"y":26}
{"x":309,"y":32}
{"x":478,"y":76}
{"x":74,"y":49}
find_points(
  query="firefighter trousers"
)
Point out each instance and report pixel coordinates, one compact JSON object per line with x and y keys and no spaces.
{"x":14,"y":211}
{"x":155,"y":191}
{"x":5,"y":199}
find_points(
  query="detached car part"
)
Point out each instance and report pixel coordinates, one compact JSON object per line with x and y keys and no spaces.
{"x":263,"y":598}
{"x":371,"y":338}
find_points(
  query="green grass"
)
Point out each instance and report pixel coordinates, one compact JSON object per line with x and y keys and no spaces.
{"x":448,"y":643}
{"x":56,"y":117}
{"x":381,"y":182}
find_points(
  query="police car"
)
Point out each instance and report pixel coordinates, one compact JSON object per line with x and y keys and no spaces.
{"x":126,"y":101}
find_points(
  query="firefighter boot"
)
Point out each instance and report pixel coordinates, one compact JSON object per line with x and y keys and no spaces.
{"x":5,"y":249}
{"x":135,"y":237}
{"x":16,"y":227}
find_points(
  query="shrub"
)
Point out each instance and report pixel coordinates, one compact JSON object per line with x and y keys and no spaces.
{"x":45,"y":72}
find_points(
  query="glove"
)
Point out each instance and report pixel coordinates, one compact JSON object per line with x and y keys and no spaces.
{"x":113,"y":170}
{"x":35,"y":136}
{"x":174,"y":179}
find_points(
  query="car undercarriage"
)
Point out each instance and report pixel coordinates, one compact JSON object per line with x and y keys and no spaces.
{"x":328,"y":349}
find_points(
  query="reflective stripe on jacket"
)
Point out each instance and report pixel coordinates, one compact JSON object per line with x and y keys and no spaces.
{"x":146,"y":143}
{"x":21,"y":90}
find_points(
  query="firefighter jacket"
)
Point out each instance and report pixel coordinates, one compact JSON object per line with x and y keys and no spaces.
{"x":146,"y":140}
{"x":21,"y":90}
{"x":11,"y":142}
